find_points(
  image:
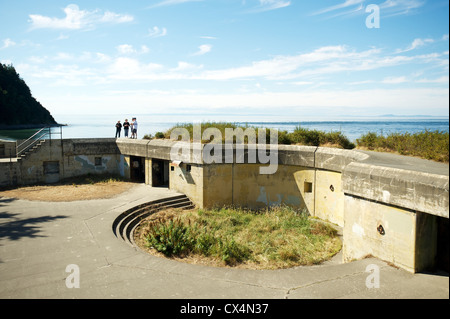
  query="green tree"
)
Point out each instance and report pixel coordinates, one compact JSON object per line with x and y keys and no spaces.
{"x":17,"y":105}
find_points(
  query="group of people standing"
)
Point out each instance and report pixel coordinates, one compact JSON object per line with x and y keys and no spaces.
{"x":126,"y":127}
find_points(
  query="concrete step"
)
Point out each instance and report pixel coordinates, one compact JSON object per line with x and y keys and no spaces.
{"x":128,"y":232}
{"x":118,"y":221}
{"x":126,"y":223}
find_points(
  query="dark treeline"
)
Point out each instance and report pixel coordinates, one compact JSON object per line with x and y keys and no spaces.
{"x":17,"y":106}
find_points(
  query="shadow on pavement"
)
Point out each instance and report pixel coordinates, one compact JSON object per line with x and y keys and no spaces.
{"x":12,"y":227}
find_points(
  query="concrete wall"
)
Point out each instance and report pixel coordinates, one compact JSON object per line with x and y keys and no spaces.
{"x":7,"y":149}
{"x":59,"y":159}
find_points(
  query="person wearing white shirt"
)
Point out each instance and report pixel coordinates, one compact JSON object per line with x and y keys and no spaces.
{"x":134,"y":127}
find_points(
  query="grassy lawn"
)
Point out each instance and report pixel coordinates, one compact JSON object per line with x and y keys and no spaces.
{"x":274,"y":238}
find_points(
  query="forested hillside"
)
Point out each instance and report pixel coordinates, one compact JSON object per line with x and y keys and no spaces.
{"x":17,"y":105}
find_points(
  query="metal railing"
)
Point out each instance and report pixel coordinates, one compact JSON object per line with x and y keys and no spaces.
{"x":41,"y":135}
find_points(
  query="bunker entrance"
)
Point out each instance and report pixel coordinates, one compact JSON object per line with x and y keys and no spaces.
{"x":137,"y":171}
{"x":442,"y":244}
{"x":160,"y":173}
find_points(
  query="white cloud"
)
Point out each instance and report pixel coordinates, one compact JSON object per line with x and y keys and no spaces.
{"x":184,"y":66}
{"x":268,"y":5}
{"x":324,"y":60}
{"x":77,"y":19}
{"x":111,"y":17}
{"x":417,"y":43}
{"x":395,"y":80}
{"x":441,"y":80}
{"x":203,"y":49}
{"x":388,"y":8}
{"x":7,"y":43}
{"x":129,"y":49}
{"x":125,"y":49}
{"x":343,"y":5}
{"x":172,"y":2}
{"x":208,"y":37}
{"x":400,"y":7}
{"x":124,"y":68}
{"x":156,"y":32}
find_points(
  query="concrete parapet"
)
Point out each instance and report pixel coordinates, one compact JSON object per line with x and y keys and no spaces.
{"x":334,"y":159}
{"x":297,"y":155}
{"x":412,"y":190}
{"x":91,"y":146}
{"x":132,"y":147}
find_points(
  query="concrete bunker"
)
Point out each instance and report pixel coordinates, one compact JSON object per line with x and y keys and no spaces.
{"x":393,"y":212}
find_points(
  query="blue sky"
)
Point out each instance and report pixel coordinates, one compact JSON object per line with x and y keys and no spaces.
{"x":264,"y":57}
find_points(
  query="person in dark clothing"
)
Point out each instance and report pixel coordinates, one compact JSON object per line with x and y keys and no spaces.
{"x":126,"y":127}
{"x":118,"y":129}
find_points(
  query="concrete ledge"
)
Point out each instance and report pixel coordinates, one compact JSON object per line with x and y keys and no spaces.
{"x":417,"y":191}
{"x":132,"y":147}
{"x":89,"y":146}
{"x":297,"y":155}
{"x":334,"y":159}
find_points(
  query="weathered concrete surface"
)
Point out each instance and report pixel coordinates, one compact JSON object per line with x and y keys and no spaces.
{"x":334,"y":159}
{"x":7,"y":149}
{"x":303,"y":156}
{"x":133,"y":147}
{"x":39,"y":240}
{"x":415,"y":190}
{"x":396,"y":244}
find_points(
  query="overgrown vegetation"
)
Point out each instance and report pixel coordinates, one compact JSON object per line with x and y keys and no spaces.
{"x":432,"y":145}
{"x":300,"y":135}
{"x":277,"y":237}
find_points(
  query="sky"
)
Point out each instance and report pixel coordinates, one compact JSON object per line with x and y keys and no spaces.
{"x":263,"y":57}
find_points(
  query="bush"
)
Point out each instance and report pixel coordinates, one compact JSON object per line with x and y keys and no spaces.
{"x":170,"y":237}
{"x":308,"y":137}
{"x":427,"y":144}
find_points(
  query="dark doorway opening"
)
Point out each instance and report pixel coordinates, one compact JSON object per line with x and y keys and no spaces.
{"x":160,"y":173}
{"x":137,"y":170}
{"x":442,"y":261}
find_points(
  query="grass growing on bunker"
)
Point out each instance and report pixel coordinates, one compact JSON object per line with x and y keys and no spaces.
{"x":275,"y":238}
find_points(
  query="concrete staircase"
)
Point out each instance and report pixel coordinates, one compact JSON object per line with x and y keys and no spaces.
{"x":125,"y":224}
{"x":31,"y":150}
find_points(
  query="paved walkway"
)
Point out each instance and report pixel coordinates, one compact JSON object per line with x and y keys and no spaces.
{"x":39,"y":240}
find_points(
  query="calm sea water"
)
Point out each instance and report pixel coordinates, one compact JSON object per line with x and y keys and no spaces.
{"x":102,"y":126}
